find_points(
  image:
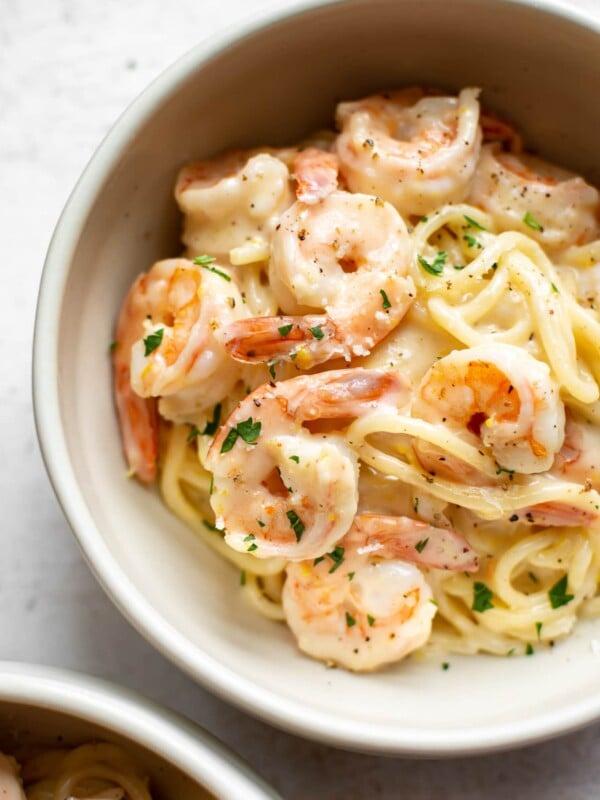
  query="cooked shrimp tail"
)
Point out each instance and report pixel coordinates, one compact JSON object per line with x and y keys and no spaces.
{"x":415,"y":541}
{"x":316,"y":173}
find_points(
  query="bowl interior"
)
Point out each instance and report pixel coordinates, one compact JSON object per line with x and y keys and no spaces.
{"x":274,"y":86}
{"x":25,"y":729}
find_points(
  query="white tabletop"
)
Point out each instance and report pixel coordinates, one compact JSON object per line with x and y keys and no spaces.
{"x":67,"y":70}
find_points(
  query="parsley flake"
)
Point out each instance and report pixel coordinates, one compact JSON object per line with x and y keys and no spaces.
{"x":473,"y":223}
{"x":272,"y":365}
{"x":337,"y":556}
{"x":445,"y":666}
{"x":112,"y":347}
{"x":350,"y":621}
{"x":318,"y":560}
{"x":192,"y":434}
{"x":370,"y":620}
{"x":213,"y":426}
{"x":351,"y":575}
{"x":260,"y":523}
{"x":558,"y":594}
{"x":252,"y":548}
{"x":296,"y":524}
{"x":153,"y":340}
{"x":458,"y":266}
{"x":529,"y":651}
{"x":554,"y":287}
{"x":471,"y":241}
{"x":249,"y":430}
{"x":249,"y":538}
{"x":317,"y":332}
{"x":420,"y":546}
{"x":532,"y":222}
{"x":295,"y":458}
{"x":206,"y":261}
{"x":211,"y":527}
{"x":385,"y":299}
{"x":504,"y":469}
{"x":229,"y":440}
{"x":436,"y":267}
{"x":482,"y":598}
{"x":242,"y":578}
{"x":538,"y":628}
{"x":285,"y":329}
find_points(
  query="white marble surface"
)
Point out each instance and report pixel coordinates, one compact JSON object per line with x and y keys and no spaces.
{"x":67,"y":69}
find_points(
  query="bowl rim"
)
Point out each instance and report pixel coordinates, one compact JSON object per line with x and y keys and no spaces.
{"x":179,"y":741}
{"x":224,"y":682}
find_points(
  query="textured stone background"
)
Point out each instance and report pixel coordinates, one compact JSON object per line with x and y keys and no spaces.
{"x":67,"y":70}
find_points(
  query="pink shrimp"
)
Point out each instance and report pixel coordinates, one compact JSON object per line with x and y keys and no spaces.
{"x":316,"y":172}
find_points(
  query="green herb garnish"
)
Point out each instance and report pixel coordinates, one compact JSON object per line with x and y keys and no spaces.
{"x":351,"y":575}
{"x":153,"y":340}
{"x":112,"y":347}
{"x":272,"y":366}
{"x":482,"y":597}
{"x":558,"y":594}
{"x":532,"y":222}
{"x":529,"y":651}
{"x":538,"y":628}
{"x":445,"y":666}
{"x":242,"y":578}
{"x":337,"y":556}
{"x":436,"y":267}
{"x":385,"y":299}
{"x":249,"y":430}
{"x":285,"y":329}
{"x":370,"y":620}
{"x":295,"y":458}
{"x":318,"y":560}
{"x":473,"y":223}
{"x":260,"y":523}
{"x":192,"y":434}
{"x":420,"y":546}
{"x":554,"y":287}
{"x":230,"y":440}
{"x":317,"y":332}
{"x":471,"y":241}
{"x":350,"y":621}
{"x":296,"y":524}
{"x":205,"y":261}
{"x":213,"y":426}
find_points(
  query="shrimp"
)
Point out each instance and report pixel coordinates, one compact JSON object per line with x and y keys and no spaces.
{"x":316,"y":173}
{"x":366,"y":604}
{"x":280,"y":490}
{"x":10,"y":785}
{"x":499,"y":396}
{"x":414,"y":150}
{"x":348,"y":255}
{"x":234,"y":200}
{"x":168,"y":344}
{"x":553,"y":206}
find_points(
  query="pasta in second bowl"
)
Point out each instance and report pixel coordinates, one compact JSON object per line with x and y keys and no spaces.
{"x":179,"y":592}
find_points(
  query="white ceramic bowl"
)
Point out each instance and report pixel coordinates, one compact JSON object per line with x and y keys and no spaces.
{"x":40,"y":706}
{"x":270,"y":82}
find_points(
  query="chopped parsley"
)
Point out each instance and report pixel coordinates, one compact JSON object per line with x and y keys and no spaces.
{"x":112,"y":347}
{"x":482,"y":597}
{"x":192,"y":434}
{"x":229,"y":440}
{"x":420,"y":546}
{"x":504,"y":469}
{"x":242,"y":578}
{"x":532,"y":222}
{"x":370,"y":620}
{"x":252,"y":548}
{"x":260,"y":523}
{"x":213,"y":426}
{"x":153,"y":340}
{"x":385,"y":299}
{"x":473,"y":223}
{"x":529,"y":651}
{"x":538,"y":628}
{"x":337,"y":556}
{"x":296,"y":524}
{"x":317,"y":332}
{"x":424,"y":219}
{"x":350,"y":621}
{"x":554,"y":287}
{"x":295,"y":458}
{"x":272,"y":366}
{"x":458,"y":266}
{"x":249,"y":538}
{"x":249,"y":430}
{"x":445,"y":666}
{"x":206,"y":261}
{"x":211,"y":527}
{"x":471,"y":241}
{"x":351,"y":575}
{"x":285,"y":329}
{"x":318,"y":560}
{"x":558,"y":594}
{"x":436,"y":267}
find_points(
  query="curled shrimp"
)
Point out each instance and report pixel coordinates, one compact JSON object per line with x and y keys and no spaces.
{"x":10,"y":785}
{"x":348,"y":256}
{"x":415,"y":150}
{"x":280,"y":489}
{"x":523,"y":193}
{"x":498,"y":396}
{"x":234,"y":200}
{"x":168,"y":344}
{"x":366,"y":604}
{"x":316,"y":173}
